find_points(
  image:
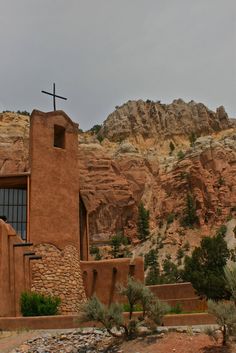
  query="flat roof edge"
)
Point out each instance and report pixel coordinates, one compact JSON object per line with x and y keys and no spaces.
{"x":14,"y":175}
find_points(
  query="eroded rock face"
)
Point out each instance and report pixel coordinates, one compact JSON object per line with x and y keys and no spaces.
{"x":139,"y":120}
{"x":14,"y":143}
{"x":106,"y":192}
{"x":116,"y":176}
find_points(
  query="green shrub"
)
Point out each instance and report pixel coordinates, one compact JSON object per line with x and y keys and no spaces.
{"x":180,"y":155}
{"x":116,"y":242}
{"x":177,"y":309}
{"x":137,"y":307}
{"x":36,"y":304}
{"x":157,"y":310}
{"x":100,"y":138}
{"x":186,"y":246}
{"x":172,"y":147}
{"x":95,"y":129}
{"x":192,"y":139}
{"x":225,"y":314}
{"x":170,"y":218}
{"x":23,"y":112}
{"x":222,"y":230}
{"x":94,"y":250}
{"x":138,"y":297}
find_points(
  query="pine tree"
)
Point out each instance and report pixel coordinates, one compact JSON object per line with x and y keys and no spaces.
{"x":205,"y":267}
{"x":192,"y":139}
{"x":143,"y":223}
{"x":172,"y":147}
{"x":151,"y":262}
{"x":190,"y":218}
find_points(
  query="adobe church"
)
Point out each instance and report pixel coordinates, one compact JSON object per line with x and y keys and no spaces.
{"x":44,"y":245}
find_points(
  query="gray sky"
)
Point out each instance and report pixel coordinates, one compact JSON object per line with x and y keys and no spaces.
{"x":102,"y":53}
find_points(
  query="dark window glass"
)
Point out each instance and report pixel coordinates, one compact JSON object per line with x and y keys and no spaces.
{"x":13,"y":206}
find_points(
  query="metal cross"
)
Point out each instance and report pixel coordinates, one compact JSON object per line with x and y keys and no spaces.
{"x":54,"y":96}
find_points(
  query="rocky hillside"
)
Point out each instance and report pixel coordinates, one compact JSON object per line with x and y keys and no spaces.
{"x":156,"y":123}
{"x":152,"y":153}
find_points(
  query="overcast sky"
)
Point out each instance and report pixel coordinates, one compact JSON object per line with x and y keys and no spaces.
{"x":101,"y":53}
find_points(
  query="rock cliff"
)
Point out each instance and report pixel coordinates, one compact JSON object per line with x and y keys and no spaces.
{"x":154,"y":122}
{"x":135,"y":162}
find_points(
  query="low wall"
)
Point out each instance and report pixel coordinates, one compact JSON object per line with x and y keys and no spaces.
{"x":189,"y":319}
{"x":174,"y":291}
{"x":71,"y":321}
{"x":102,"y":277}
{"x":188,"y":304}
{"x":182,"y":294}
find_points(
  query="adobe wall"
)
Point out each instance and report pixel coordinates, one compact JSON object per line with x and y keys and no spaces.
{"x":181,"y":294}
{"x":59,"y":274}
{"x":72,"y":321}
{"x":14,"y":270}
{"x":102,"y":277}
{"x":54,"y":188}
{"x":173,"y":291}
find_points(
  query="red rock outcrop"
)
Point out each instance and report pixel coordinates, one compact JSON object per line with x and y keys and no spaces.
{"x":116,"y":176}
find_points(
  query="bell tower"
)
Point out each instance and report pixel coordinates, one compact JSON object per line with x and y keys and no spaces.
{"x":54,"y":183}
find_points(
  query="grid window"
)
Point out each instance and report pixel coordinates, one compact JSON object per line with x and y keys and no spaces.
{"x":13,"y":205}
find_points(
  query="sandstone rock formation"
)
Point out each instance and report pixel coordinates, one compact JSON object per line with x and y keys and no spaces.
{"x":14,"y":143}
{"x":134,"y":163}
{"x":139,"y":121}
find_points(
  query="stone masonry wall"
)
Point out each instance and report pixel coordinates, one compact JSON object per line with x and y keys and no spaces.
{"x":59,"y":274}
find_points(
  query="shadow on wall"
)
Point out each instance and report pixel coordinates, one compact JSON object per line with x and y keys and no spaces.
{"x":15,"y":267}
{"x":102,"y":277}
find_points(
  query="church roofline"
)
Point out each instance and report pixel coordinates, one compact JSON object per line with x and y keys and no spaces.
{"x":55,"y":113}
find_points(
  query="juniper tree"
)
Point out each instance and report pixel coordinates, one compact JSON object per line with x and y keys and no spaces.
{"x":143,"y":222}
{"x":190,"y":218}
{"x":172,"y":147}
{"x":151,"y":262}
{"x":205,"y":268}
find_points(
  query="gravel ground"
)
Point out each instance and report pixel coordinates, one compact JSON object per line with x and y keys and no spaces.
{"x":92,"y":340}
{"x":73,"y":341}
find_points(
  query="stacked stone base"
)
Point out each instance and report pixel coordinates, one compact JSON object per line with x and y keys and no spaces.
{"x":59,"y":274}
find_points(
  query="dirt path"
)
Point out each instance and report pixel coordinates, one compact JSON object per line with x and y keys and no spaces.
{"x":11,"y":340}
{"x":170,"y":343}
{"x":175,"y":343}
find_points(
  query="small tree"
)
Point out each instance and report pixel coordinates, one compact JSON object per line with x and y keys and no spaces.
{"x":151,"y":262}
{"x":94,"y":310}
{"x":172,"y":147}
{"x":133,"y":293}
{"x":143,"y":222}
{"x":95,"y":129}
{"x":171,"y":273}
{"x":190,"y":218}
{"x":116,"y":242}
{"x":192,"y":139}
{"x":180,"y":155}
{"x":230,"y":276}
{"x":157,"y":310}
{"x":225,"y":314}
{"x":222,"y":230}
{"x":205,"y":268}
{"x":94,"y":250}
